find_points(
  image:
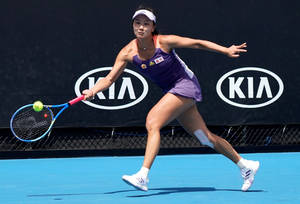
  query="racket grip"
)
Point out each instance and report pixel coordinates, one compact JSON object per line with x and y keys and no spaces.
{"x":76,"y":100}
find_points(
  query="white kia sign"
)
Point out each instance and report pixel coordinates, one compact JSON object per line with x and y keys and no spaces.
{"x":130,"y":89}
{"x":250,"y":87}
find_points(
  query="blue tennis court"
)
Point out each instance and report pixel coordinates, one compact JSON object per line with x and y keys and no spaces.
{"x":173,"y":179}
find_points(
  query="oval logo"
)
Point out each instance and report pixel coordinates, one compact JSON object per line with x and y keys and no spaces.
{"x":249,"y":87}
{"x":130,"y":89}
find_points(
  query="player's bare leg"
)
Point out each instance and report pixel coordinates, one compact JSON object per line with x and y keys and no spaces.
{"x":194,"y":124}
{"x":167,"y":109}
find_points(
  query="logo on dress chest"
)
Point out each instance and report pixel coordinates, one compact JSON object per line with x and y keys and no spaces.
{"x":154,"y":62}
{"x":143,"y":66}
{"x":159,"y":60}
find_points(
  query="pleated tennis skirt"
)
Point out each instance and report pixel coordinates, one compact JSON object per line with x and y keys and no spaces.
{"x":187,"y":87}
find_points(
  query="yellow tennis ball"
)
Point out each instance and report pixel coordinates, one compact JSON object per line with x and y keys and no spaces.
{"x":38,"y":106}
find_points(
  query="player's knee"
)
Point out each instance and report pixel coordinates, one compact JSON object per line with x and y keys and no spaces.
{"x":204,"y":139}
{"x":152,"y":125}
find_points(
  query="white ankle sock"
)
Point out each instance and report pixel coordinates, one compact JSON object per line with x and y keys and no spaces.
{"x":143,"y":172}
{"x":242,"y":163}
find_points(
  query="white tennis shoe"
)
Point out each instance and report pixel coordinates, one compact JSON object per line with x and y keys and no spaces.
{"x":248,"y":174}
{"x":136,"y":181}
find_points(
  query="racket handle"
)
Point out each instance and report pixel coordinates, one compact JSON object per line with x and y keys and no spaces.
{"x":76,"y":100}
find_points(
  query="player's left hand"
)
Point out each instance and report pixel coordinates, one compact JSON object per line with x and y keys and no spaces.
{"x":235,"y":50}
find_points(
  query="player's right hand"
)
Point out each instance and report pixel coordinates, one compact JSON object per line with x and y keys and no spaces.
{"x":88,"y":94}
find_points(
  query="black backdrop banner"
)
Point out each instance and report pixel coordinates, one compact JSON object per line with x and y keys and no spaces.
{"x":52,"y":50}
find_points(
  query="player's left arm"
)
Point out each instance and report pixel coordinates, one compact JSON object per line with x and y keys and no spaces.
{"x":174,"y":41}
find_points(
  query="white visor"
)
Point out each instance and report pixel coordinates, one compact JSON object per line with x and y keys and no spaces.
{"x":146,"y":13}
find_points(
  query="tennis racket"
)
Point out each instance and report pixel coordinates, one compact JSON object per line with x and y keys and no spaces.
{"x":28,"y":125}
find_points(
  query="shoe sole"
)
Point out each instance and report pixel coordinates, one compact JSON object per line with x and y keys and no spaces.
{"x":136,"y":187}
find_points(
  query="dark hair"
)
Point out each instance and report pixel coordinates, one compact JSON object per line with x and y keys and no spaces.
{"x":141,"y":7}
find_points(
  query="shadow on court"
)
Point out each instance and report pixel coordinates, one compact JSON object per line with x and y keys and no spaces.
{"x":165,"y":191}
{"x":162,"y":191}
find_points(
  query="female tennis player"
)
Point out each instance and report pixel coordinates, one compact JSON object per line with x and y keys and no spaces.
{"x":156,"y":59}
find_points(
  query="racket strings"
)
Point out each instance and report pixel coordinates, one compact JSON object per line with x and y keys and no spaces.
{"x":29,"y":124}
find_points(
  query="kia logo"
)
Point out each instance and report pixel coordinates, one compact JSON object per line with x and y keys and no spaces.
{"x":250,"y":87}
{"x":130,"y":89}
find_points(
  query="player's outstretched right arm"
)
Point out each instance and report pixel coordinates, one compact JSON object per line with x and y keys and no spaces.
{"x":105,"y":83}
